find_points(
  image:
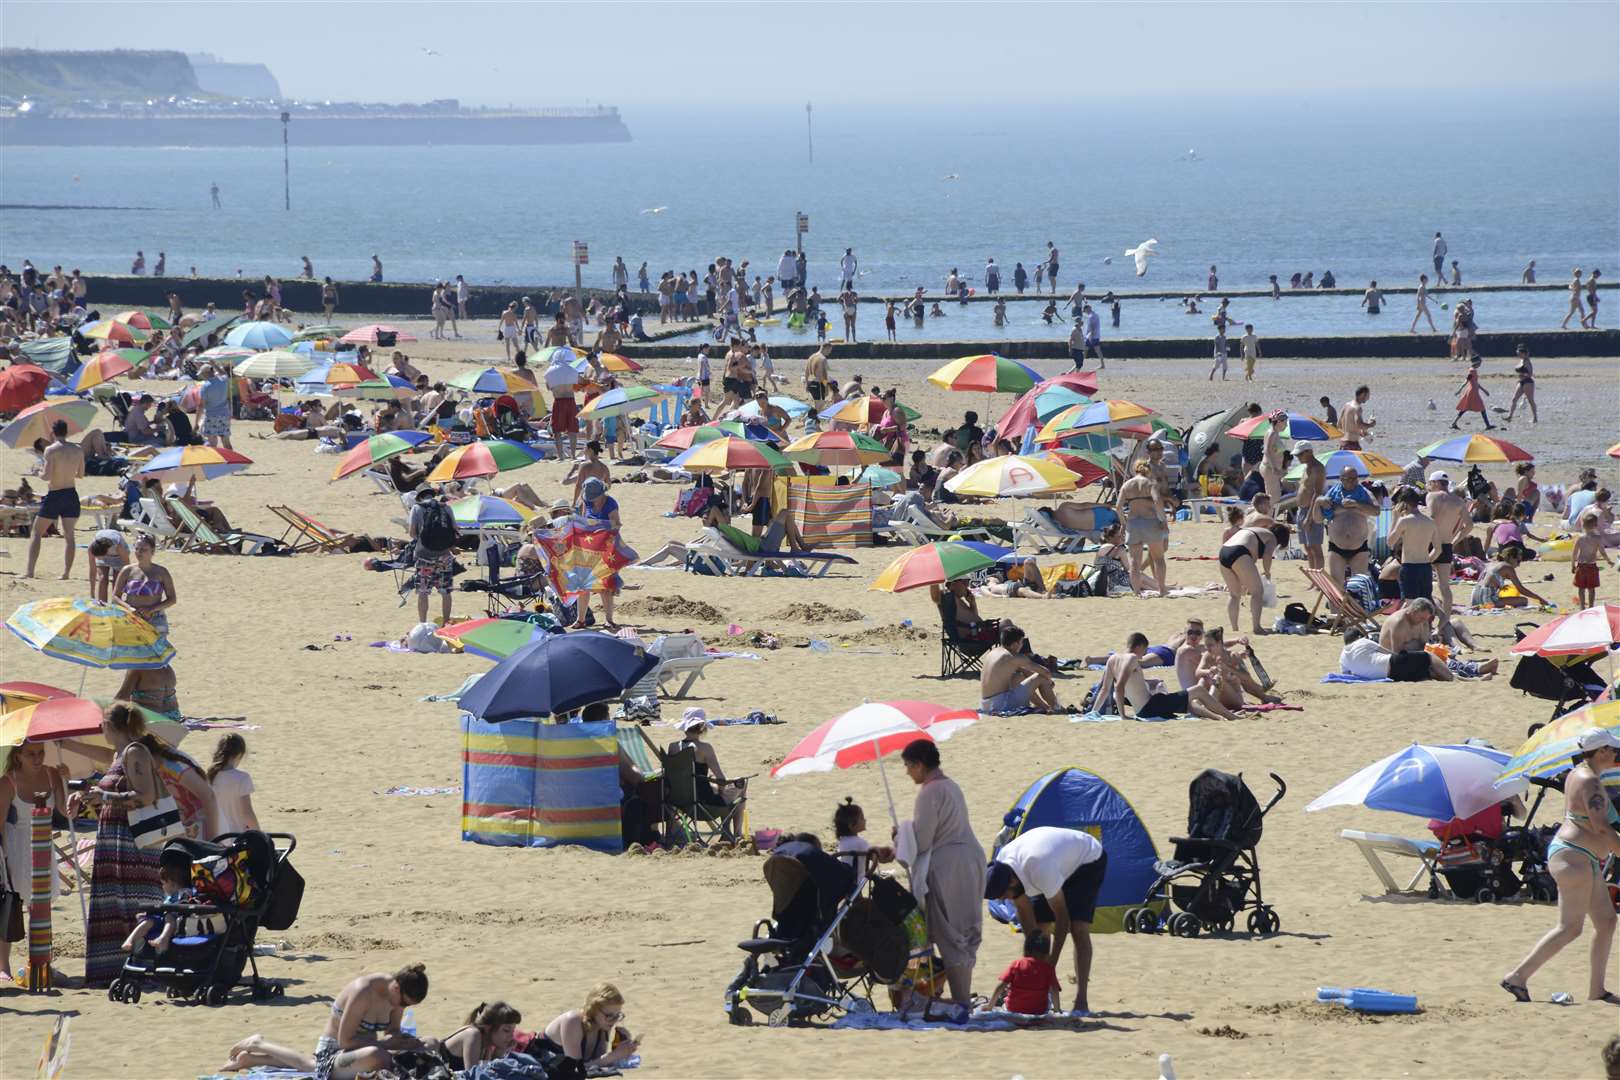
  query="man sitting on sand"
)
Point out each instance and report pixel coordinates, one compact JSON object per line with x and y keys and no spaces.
{"x":1012,"y":682}
{"x":1124,"y":684}
{"x":1404,"y":636}
{"x":1366,"y":659}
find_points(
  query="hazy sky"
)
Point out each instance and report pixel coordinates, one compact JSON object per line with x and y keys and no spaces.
{"x":763,"y":52}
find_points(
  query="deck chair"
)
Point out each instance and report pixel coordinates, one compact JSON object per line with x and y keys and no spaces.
{"x":196,"y":535}
{"x":689,"y":814}
{"x":156,"y":524}
{"x":1041,"y":529}
{"x":1426,"y":852}
{"x":304,"y":533}
{"x":747,"y":561}
{"x":1345,"y":610}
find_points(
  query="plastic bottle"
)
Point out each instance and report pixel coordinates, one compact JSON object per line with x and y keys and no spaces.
{"x":407,"y":1023}
{"x":1167,"y":1069}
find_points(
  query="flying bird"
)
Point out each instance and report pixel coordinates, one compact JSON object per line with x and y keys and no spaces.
{"x":655,"y":210}
{"x":951,"y":176}
{"x":431,"y":52}
{"x":1141,"y":253}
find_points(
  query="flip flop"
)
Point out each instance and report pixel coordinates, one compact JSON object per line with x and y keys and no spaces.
{"x":1520,"y":993}
{"x":1609,"y":997}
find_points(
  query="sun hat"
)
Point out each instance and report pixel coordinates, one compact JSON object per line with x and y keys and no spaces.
{"x":1597,"y":738}
{"x":694,"y":717}
{"x":560,"y":504}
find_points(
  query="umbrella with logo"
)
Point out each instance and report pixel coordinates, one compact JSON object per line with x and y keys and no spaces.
{"x":1442,"y":782}
{"x":90,"y":633}
{"x":1012,"y":475}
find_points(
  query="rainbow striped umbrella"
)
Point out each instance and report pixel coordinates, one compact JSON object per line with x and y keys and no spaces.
{"x":1364,"y":462}
{"x":684,"y":438}
{"x":552,"y":353}
{"x":377,"y":449}
{"x":382,"y":388}
{"x":1054,"y":399}
{"x":986,"y":373}
{"x":731,"y":453}
{"x":1097,"y":414}
{"x":142,"y":320}
{"x":1475,"y":449}
{"x":493,"y":639}
{"x":1547,"y":753}
{"x":1012,"y":475}
{"x":36,"y":421}
{"x":258,"y":335}
{"x":336,"y":373}
{"x":837,"y":450}
{"x":273,"y":364}
{"x":484,"y":458}
{"x":1297,"y":426}
{"x":109,"y":330}
{"x":490,"y":512}
{"x":490,"y":381}
{"x":620,"y":400}
{"x":179,"y":464}
{"x":608,"y":361}
{"x":1089,"y":465}
{"x":863,"y":411}
{"x":931,"y":564}
{"x":89,"y":633}
{"x":100,"y":368}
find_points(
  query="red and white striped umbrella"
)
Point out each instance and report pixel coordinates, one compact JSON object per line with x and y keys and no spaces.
{"x":1591,"y":630}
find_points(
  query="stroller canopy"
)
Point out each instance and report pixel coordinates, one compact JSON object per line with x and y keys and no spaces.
{"x":1076,"y":799}
{"x":1220,"y":806}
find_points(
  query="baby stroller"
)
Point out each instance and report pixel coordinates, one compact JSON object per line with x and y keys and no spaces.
{"x":1567,"y":681}
{"x":1477,"y":854}
{"x":828,"y":941}
{"x":1215,"y":873}
{"x":243,"y":881}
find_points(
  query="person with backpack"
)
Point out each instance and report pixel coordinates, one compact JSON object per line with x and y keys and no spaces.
{"x":433,"y":529}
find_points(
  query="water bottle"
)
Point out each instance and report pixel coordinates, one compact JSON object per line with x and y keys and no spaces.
{"x":407,"y":1023}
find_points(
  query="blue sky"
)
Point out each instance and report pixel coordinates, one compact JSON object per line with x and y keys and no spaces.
{"x":764,"y":53}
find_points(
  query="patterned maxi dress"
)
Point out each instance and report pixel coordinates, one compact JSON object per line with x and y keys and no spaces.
{"x":123,"y":883}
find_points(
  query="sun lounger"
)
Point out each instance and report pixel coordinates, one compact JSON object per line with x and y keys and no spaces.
{"x":195,"y":534}
{"x":304,"y":533}
{"x":1346,"y":611}
{"x":1040,"y":527}
{"x":1372,"y":844}
{"x":914,"y":526}
{"x":748,"y":562}
{"x":157,"y":524}
{"x":681,"y":655}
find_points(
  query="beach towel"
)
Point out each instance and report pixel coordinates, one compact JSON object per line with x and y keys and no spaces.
{"x":1341,"y":677}
{"x":1273,"y":706}
{"x":584,"y":556}
{"x":828,"y":516}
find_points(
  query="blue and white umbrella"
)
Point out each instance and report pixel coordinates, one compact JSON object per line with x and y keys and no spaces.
{"x":258,"y":335}
{"x":1441,"y":782}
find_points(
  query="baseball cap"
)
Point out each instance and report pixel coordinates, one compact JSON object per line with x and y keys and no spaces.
{"x":1597,"y":738}
{"x":1303,"y":448}
{"x":1439,"y":474}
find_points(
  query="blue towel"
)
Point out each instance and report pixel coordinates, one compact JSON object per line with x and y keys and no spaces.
{"x":1341,"y":677}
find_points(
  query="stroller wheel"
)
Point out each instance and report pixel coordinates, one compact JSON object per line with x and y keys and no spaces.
{"x":132,"y":993}
{"x":740,"y":1016}
{"x":1147,"y":922}
{"x":780,"y":1016}
{"x":216,"y":995}
{"x":115,"y":990}
{"x":1130,"y":919}
{"x":1273,"y":921}
{"x":1185,"y":924}
{"x":1484,"y":896}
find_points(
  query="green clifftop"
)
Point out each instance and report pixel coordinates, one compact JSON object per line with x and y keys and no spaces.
{"x":122,"y":74}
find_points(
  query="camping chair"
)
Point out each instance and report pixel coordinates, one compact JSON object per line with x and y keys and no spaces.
{"x":1346,"y":610}
{"x":688,"y":811}
{"x":196,"y":535}
{"x":311,"y":535}
{"x":1040,"y":526}
{"x":519,"y":592}
{"x":957,"y":655}
{"x":1426,"y":852}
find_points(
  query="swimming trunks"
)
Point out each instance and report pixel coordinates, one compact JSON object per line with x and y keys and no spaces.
{"x":1231,"y":553}
{"x":1417,"y":580}
{"x":1445,"y":556}
{"x":1348,"y":556}
{"x":60,"y":503}
{"x":1586,"y":575}
{"x":1164,"y":706}
{"x":564,"y":416}
{"x":1011,"y":700}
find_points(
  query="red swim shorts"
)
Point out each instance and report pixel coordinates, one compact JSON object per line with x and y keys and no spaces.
{"x":1586,"y":575}
{"x":564,"y":416}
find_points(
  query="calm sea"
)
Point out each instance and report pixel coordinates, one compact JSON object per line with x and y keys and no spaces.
{"x":1270,"y":188}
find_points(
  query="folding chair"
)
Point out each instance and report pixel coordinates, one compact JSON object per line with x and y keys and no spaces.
{"x":1426,"y":852}
{"x":958,"y":656}
{"x":311,"y":535}
{"x":1345,"y":609}
{"x":690,"y":813}
{"x":157,"y":524}
{"x":196,"y":535}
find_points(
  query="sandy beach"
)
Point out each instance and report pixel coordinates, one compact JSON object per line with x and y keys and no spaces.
{"x":285,"y":643}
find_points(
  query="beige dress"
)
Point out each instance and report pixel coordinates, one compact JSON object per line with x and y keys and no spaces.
{"x":954,"y":900}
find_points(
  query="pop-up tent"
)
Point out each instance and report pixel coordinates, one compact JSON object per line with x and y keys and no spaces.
{"x":1073,"y":798}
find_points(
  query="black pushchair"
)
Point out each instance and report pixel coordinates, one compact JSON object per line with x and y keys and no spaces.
{"x":829,"y":939}
{"x":1480,"y":866}
{"x":1569,"y":682}
{"x":243,"y":882}
{"x":1215,"y":874}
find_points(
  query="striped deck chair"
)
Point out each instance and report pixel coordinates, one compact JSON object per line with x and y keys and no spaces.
{"x":304,"y":533}
{"x":1346,"y":610}
{"x":196,"y":535}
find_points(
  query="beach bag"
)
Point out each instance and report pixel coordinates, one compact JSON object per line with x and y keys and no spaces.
{"x":286,"y":895}
{"x":155,"y":825}
{"x":1296,"y":612}
{"x":438,"y":527}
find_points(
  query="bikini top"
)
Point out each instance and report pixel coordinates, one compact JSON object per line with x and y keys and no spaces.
{"x":146,"y":586}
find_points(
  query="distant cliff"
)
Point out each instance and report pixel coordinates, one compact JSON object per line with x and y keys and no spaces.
{"x":121,"y":74}
{"x":216,"y":76}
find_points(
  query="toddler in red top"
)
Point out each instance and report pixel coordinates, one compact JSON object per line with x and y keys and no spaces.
{"x":1030,"y":985}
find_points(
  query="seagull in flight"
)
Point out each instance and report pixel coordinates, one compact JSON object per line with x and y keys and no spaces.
{"x":431,"y":52}
{"x":1141,"y":254}
{"x":951,"y":176}
{"x":655,"y":210}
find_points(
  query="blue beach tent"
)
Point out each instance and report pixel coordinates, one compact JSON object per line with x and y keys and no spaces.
{"x":1073,"y":798}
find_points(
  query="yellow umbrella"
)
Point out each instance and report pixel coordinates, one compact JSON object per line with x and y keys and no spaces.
{"x":1012,"y":475}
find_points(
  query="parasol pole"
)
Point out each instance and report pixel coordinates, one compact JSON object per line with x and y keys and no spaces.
{"x":888,"y":793}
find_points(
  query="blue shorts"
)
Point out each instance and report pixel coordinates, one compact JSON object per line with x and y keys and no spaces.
{"x":61,"y":503}
{"x":1417,"y":580}
{"x":1312,"y":535}
{"x":1014,"y":699}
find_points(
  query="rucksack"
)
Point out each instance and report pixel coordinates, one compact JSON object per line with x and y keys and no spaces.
{"x":438,"y":532}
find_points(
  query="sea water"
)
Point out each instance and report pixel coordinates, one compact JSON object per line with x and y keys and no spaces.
{"x":1270,"y":188}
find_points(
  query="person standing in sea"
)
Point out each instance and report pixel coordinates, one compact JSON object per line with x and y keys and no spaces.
{"x":846,"y":270}
{"x":1439,"y":256}
{"x":992,"y":276}
{"x":1020,"y":278}
{"x":1372,"y":299}
{"x":376,"y":270}
{"x":1052,"y":265}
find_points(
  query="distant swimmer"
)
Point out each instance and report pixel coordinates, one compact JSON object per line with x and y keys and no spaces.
{"x":1372,"y":299}
{"x":655,"y":210}
{"x":1141,"y":253}
{"x":213,"y":193}
{"x":376,"y":270}
{"x":1528,"y":277}
{"x":431,"y":52}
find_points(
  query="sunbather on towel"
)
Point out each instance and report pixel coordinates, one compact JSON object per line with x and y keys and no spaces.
{"x":1123,"y":680}
{"x":1366,"y":659}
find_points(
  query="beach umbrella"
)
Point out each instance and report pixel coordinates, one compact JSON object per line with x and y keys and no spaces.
{"x":986,"y":373}
{"x":1365,"y":462}
{"x":490,"y":381}
{"x":16,"y":694}
{"x":109,"y":330}
{"x":1548,"y":752}
{"x":552,"y":353}
{"x":1591,"y":630}
{"x":274,"y":364}
{"x":1296,"y":426}
{"x":318,"y":333}
{"x":1443,"y":782}
{"x":1089,"y":466}
{"x":837,"y":449}
{"x":51,"y":718}
{"x":485,"y":458}
{"x":879,"y":477}
{"x":1614,"y":451}
{"x":1022,"y":416}
{"x":619,"y":401}
{"x":382,"y":388}
{"x":1475,"y":449}
{"x":328,"y":377}
{"x":1090,"y":416}
{"x":490,"y":512}
{"x":792,"y":406}
{"x":864,"y":411}
{"x":869,"y":732}
{"x":90,"y":633}
{"x":729,"y":454}
{"x":367,"y":335}
{"x":100,"y":368}
{"x":178,"y":464}
{"x":684,"y":438}
{"x":36,"y":421}
{"x":142,"y":320}
{"x":931,"y":564}
{"x":136,"y":358}
{"x":378,"y":449}
{"x":609,"y":362}
{"x":1012,"y":475}
{"x":258,"y":335}
{"x":561,"y":673}
{"x":1053,"y":400}
{"x":493,"y":639}
{"x":21,"y":385}
{"x":227,"y":355}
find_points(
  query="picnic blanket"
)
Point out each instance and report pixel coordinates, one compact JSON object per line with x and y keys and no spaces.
{"x":828,"y":516}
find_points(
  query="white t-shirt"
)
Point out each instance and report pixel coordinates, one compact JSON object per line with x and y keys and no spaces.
{"x":852,"y":851}
{"x":1044,"y":857}
{"x":231,"y":789}
{"x":1365,"y":658}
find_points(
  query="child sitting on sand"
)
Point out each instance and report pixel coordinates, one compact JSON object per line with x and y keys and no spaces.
{"x":849,"y":821}
{"x":176,"y":882}
{"x":1030,"y":984}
